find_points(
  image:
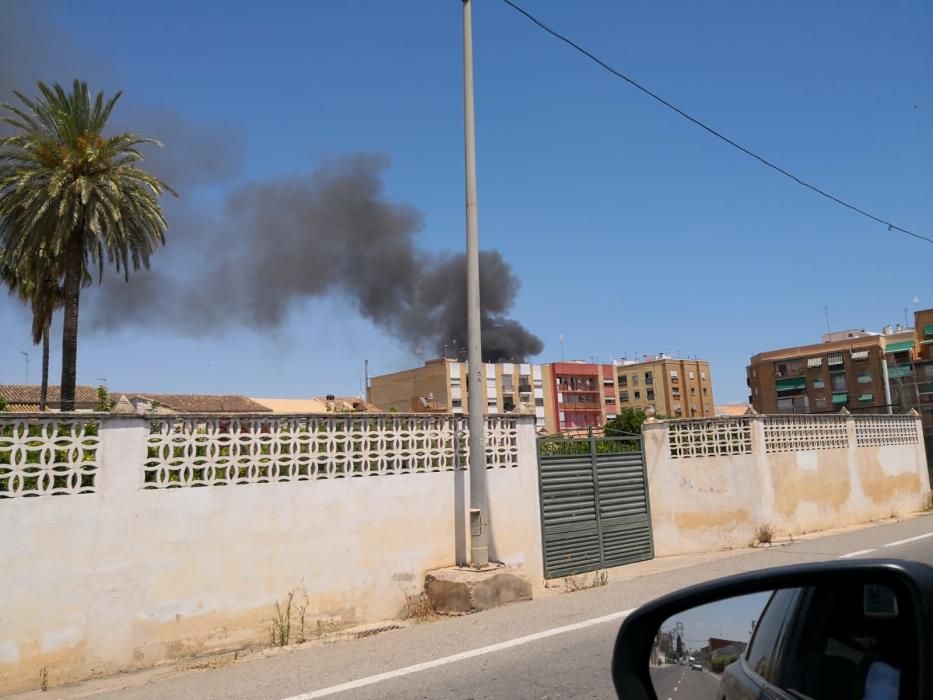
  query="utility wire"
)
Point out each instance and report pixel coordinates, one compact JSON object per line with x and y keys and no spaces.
{"x":557,"y":35}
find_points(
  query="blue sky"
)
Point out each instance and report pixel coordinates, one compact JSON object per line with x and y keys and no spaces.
{"x":730,"y":618}
{"x":632,"y":231}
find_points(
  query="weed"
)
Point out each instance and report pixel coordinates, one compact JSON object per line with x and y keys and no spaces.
{"x":580,"y":582}
{"x":44,"y":678}
{"x":927,"y":502}
{"x":575,"y":582}
{"x":282,"y":622}
{"x":763,"y":535}
{"x":290,"y":619}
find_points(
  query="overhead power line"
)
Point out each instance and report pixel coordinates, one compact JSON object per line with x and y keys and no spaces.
{"x":764,"y":161}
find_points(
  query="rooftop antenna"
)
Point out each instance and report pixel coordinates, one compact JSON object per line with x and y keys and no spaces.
{"x":26,"y":358}
{"x":561,"y":347}
{"x":826,"y":313}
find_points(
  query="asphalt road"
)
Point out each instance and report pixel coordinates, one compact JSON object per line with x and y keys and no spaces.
{"x":558,"y":646}
{"x":683,"y":683}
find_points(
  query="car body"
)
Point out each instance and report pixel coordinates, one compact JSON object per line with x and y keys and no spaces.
{"x":842,"y":629}
{"x":850,"y":645}
{"x":696,"y":666}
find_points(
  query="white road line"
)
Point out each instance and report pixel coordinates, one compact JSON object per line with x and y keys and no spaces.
{"x":462,"y":656}
{"x":909,"y":539}
{"x":856,"y":554}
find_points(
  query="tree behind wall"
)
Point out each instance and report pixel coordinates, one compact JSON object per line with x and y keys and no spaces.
{"x":629,"y":421}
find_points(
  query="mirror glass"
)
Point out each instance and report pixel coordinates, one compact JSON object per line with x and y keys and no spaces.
{"x":845,"y":640}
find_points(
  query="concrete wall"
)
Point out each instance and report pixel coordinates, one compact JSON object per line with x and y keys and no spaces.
{"x":712,"y":483}
{"x":125,"y":577}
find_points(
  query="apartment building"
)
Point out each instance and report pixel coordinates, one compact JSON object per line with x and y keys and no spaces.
{"x":441,"y":385}
{"x":890,"y":371}
{"x":579,"y":396}
{"x":674,"y":387}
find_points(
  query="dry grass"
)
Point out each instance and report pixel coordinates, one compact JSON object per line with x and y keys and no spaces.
{"x":927,"y":503}
{"x":290,"y":617}
{"x":580,"y":582}
{"x":763,"y":535}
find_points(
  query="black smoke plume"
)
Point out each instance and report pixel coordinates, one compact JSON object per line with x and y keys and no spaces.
{"x":286,"y":241}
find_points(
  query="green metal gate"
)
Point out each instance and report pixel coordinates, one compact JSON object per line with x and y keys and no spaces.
{"x":594,"y":503}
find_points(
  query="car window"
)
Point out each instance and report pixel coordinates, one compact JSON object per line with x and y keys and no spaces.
{"x":852,"y":640}
{"x":761,"y":656}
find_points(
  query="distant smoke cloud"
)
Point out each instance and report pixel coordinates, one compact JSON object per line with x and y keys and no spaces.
{"x":277,"y":243}
{"x":286,"y":241}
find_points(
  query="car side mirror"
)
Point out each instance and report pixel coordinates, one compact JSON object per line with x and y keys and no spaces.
{"x":857,"y":629}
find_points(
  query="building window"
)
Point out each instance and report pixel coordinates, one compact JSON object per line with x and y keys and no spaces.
{"x":819,"y":402}
{"x":703,"y":375}
{"x":634,"y":380}
{"x":704,"y":391}
{"x":650,"y":394}
{"x":637,"y":395}
{"x":793,"y":404}
{"x":692,"y":375}
{"x":838,"y":381}
{"x":623,"y":396}
{"x":675,"y":392}
{"x":864,"y":378}
{"x":693,"y":391}
{"x":649,"y":378}
{"x":610,"y":399}
{"x":623,"y":380}
{"x":818,"y":383}
{"x":539,"y":402}
{"x":508,"y":405}
{"x":457,"y":403}
{"x":455,"y":383}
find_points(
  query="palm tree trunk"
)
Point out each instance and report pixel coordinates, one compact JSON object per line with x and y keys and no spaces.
{"x":44,"y":393}
{"x":72,"y":293}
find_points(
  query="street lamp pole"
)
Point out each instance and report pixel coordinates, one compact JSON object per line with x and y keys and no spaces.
{"x":476,"y":383}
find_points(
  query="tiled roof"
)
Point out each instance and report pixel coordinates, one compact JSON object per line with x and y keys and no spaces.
{"x":293,"y":405}
{"x":731,"y":409}
{"x":17,"y":395}
{"x":320,"y":404}
{"x":201,"y":403}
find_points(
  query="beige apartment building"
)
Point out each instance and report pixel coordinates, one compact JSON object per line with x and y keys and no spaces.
{"x":674,"y":387}
{"x":564,"y":396}
{"x":441,"y":385}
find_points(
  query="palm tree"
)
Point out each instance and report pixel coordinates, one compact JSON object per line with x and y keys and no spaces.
{"x":37,"y":295}
{"x":75,"y":196}
{"x":43,"y":291}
